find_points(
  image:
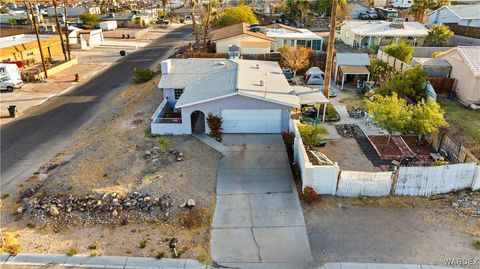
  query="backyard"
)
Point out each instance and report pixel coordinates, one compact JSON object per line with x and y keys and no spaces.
{"x":464,"y":125}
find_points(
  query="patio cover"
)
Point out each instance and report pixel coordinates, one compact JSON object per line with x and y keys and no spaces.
{"x":354,"y":70}
{"x":310,"y":96}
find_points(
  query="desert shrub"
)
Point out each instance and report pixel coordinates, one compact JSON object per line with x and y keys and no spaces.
{"x":164,"y":142}
{"x":142,"y":244}
{"x":476,"y":244}
{"x":93,"y":254}
{"x":142,"y":74}
{"x":215,"y":125}
{"x":311,"y":135}
{"x":9,"y":244}
{"x":310,"y":196}
{"x":182,"y":20}
{"x":95,"y":245}
{"x":72,"y":252}
{"x":194,"y":218}
{"x":160,"y":255}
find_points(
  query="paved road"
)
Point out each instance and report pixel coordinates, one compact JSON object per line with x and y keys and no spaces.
{"x":35,"y":137}
{"x":258,"y":220}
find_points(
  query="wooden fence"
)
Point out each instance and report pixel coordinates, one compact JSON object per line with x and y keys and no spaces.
{"x":456,"y":151}
{"x":442,"y":86}
{"x":464,"y":30}
{"x":202,"y":55}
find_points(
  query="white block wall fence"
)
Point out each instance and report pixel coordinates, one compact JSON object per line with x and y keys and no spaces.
{"x":413,"y":181}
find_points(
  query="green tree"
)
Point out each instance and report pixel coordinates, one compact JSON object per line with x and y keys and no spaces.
{"x":12,"y":22}
{"x":89,"y":20}
{"x":325,"y":6}
{"x":295,"y":58}
{"x":438,"y":36}
{"x":311,"y":135}
{"x":427,"y":118}
{"x":234,"y":15}
{"x":410,"y":84}
{"x":420,"y":7}
{"x":401,"y":51}
{"x":303,"y":7}
{"x":390,"y":113}
{"x":380,"y":71}
{"x":209,"y":13}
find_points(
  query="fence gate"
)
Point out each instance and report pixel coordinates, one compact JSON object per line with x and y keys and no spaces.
{"x":357,"y":183}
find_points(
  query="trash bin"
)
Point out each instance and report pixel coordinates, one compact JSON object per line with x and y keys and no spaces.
{"x":122,"y":53}
{"x":123,"y":36}
{"x":12,"y":110}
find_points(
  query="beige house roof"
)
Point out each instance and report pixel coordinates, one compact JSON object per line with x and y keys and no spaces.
{"x":469,"y":54}
{"x":235,"y":30}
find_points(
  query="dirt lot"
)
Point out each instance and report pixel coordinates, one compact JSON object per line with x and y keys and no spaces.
{"x":391,"y":230}
{"x":348,"y":154}
{"x":115,"y":155}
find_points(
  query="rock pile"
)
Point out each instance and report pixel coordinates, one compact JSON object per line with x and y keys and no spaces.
{"x":96,"y":208}
{"x":466,"y":204}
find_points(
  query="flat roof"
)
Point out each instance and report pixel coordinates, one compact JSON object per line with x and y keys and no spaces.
{"x":383,"y":28}
{"x":354,"y":70}
{"x":355,"y":59}
{"x":310,"y":96}
{"x":15,"y":40}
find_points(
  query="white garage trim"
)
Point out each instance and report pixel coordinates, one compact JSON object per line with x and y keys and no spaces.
{"x":252,"y":120}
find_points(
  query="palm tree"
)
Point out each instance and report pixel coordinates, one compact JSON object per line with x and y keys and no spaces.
{"x":304,"y":7}
{"x":193,"y":4}
{"x":210,"y":12}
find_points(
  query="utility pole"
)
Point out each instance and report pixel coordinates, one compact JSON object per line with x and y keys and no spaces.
{"x":66,"y":28}
{"x":59,"y":30}
{"x":330,"y":48}
{"x":38,"y":39}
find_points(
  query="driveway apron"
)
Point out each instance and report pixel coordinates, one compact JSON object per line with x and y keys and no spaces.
{"x":258,"y":220}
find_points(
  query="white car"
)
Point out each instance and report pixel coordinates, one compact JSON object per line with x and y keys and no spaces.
{"x":10,"y":84}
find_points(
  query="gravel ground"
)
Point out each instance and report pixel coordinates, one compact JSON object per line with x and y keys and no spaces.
{"x":110,"y":156}
{"x":390,"y":230}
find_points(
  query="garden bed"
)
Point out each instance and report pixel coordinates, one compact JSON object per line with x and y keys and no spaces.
{"x":386,"y":151}
{"x":424,"y":150}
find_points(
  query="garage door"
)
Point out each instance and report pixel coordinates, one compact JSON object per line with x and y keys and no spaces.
{"x":252,"y":120}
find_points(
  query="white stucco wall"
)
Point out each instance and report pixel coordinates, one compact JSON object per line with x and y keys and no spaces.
{"x":467,"y":86}
{"x":233,"y":102}
{"x":254,"y":50}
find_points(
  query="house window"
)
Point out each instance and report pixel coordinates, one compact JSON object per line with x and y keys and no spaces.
{"x":177,"y":93}
{"x":317,"y":45}
{"x":301,"y":43}
{"x":30,"y":53}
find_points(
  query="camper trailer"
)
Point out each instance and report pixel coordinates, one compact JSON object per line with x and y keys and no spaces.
{"x":108,"y":25}
{"x":10,"y":77}
{"x":402,"y":3}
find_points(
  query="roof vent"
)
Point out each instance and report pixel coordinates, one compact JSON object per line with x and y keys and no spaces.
{"x":262,"y":83}
{"x":397,"y":24}
{"x":221,"y":63}
{"x":257,"y":66}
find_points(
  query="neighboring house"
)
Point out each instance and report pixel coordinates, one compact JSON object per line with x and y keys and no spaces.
{"x":15,"y":19}
{"x":293,"y":37}
{"x":73,"y":12}
{"x":122,"y":19}
{"x":250,"y":96}
{"x":364,"y":34}
{"x":24,"y":48}
{"x":350,"y":67}
{"x":84,"y":38}
{"x":465,"y":15}
{"x":465,"y":62}
{"x":435,"y":67}
{"x":239,"y":35}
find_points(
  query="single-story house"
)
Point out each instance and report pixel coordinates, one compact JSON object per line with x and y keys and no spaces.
{"x":84,"y":38}
{"x":350,"y":67}
{"x":364,"y":34}
{"x":73,"y":12}
{"x":466,"y":15}
{"x":435,"y":67}
{"x":15,"y":19}
{"x":465,"y":62}
{"x":24,"y":48}
{"x":293,"y":37}
{"x":250,"y":96}
{"x":238,"y":36}
{"x":130,"y":19}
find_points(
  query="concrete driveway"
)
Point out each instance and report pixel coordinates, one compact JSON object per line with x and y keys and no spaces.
{"x":258,"y":219}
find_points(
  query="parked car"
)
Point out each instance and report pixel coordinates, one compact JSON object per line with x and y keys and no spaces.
{"x":163,"y":22}
{"x":368,"y":15}
{"x":9,"y":84}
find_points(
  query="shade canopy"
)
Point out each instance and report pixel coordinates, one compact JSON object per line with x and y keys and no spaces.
{"x":354,"y":70}
{"x":310,"y":96}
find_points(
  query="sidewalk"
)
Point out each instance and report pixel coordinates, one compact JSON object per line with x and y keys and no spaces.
{"x":351,"y":265}
{"x":62,"y":261}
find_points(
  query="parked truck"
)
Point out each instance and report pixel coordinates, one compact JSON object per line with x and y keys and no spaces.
{"x":387,"y":13}
{"x":10,"y":77}
{"x":108,"y":25}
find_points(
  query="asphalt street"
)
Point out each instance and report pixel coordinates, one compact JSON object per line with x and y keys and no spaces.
{"x":36,"y":136}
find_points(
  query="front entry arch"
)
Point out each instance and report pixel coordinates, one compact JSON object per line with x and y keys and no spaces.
{"x":197,"y":122}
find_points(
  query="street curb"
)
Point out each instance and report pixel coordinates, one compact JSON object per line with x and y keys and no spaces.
{"x":123,"y":262}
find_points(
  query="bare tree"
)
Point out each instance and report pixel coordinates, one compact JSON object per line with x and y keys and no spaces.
{"x":193,"y":4}
{"x":296,"y":58}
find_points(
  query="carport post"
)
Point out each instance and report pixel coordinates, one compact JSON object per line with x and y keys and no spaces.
{"x":324,"y":111}
{"x":368,"y":77}
{"x":343,"y":79}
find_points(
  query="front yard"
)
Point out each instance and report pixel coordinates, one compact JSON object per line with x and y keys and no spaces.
{"x":118,"y":191}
